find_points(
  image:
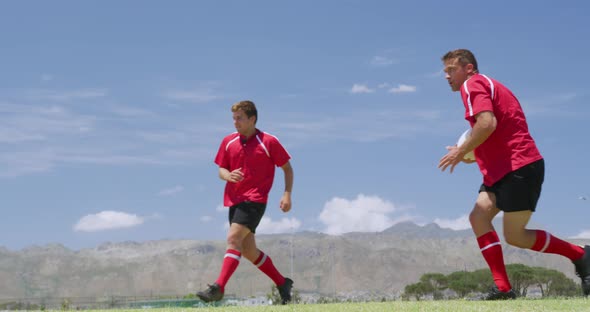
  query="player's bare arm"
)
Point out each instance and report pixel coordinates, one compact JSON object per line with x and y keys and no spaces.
{"x":285,"y":203}
{"x":484,"y":126}
{"x":233,"y":176}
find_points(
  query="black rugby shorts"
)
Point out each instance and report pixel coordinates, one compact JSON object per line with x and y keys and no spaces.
{"x":247,"y":213}
{"x":520,"y":189}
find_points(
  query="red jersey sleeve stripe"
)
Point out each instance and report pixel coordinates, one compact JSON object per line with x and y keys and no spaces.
{"x":491,"y":86}
{"x":279,"y":143}
{"x":466,"y":89}
{"x":263,"y":146}
{"x":468,"y":98}
{"x":231,"y":141}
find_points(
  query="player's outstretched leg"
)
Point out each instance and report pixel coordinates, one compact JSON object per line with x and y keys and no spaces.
{"x":580,"y":256}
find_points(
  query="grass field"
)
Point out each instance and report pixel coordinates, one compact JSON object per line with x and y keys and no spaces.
{"x":406,"y":306}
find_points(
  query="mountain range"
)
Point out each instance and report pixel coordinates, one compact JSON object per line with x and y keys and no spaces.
{"x":377,"y":264}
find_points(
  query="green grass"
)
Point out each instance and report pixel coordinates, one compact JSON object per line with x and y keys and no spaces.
{"x":522,"y":305}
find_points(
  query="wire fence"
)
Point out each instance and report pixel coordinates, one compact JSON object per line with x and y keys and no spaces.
{"x":111,"y":302}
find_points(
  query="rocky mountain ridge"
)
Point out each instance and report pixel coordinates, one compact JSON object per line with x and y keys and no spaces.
{"x":371,"y":263}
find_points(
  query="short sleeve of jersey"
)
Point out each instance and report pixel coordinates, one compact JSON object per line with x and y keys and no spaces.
{"x":222,"y":158}
{"x":278,"y":153}
{"x":477,"y":97}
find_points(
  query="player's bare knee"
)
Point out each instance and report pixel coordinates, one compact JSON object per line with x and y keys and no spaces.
{"x":477,"y":215}
{"x":483,"y":204}
{"x":511,"y":240}
{"x":514,"y":238}
{"x":234,"y":242}
{"x":251,"y":256}
{"x":474,"y":218}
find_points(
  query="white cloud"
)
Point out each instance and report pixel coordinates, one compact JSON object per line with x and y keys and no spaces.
{"x":363,"y":214}
{"x":8,"y":135}
{"x":437,"y":74}
{"x":39,"y":122}
{"x":550,"y":104}
{"x":460,"y":223}
{"x":359,"y":126}
{"x":402,"y":88}
{"x":285,"y":225}
{"x":585,"y":234}
{"x":221,"y":208}
{"x":196,"y":96}
{"x":97,"y":157}
{"x":171,"y":191}
{"x":206,"y":219}
{"x":129,"y":111}
{"x":386,"y":58}
{"x":382,"y":61}
{"x":66,"y":95}
{"x":165,"y":137}
{"x":16,"y":163}
{"x":360,"y":88}
{"x":107,"y":220}
{"x":43,"y":137}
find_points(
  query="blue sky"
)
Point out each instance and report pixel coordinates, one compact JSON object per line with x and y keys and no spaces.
{"x":111,"y":112}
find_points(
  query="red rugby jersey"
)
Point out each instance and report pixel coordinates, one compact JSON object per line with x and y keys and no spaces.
{"x":257,"y":156}
{"x":510,"y":146}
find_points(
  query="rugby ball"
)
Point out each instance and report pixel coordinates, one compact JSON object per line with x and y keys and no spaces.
{"x":462,"y":138}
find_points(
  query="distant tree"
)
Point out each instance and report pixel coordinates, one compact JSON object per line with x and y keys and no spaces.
{"x":435,"y":284}
{"x":551,"y":282}
{"x":542,"y":278}
{"x":417,"y":290}
{"x":554,"y":283}
{"x":563,"y":286}
{"x":521,"y":277}
{"x":483,"y":279}
{"x":462,"y":283}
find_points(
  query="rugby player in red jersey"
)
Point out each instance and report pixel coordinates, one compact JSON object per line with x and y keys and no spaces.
{"x":512,"y":168}
{"x":247,"y":160}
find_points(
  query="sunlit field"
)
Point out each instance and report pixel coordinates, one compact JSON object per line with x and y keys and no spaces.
{"x":522,"y":305}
